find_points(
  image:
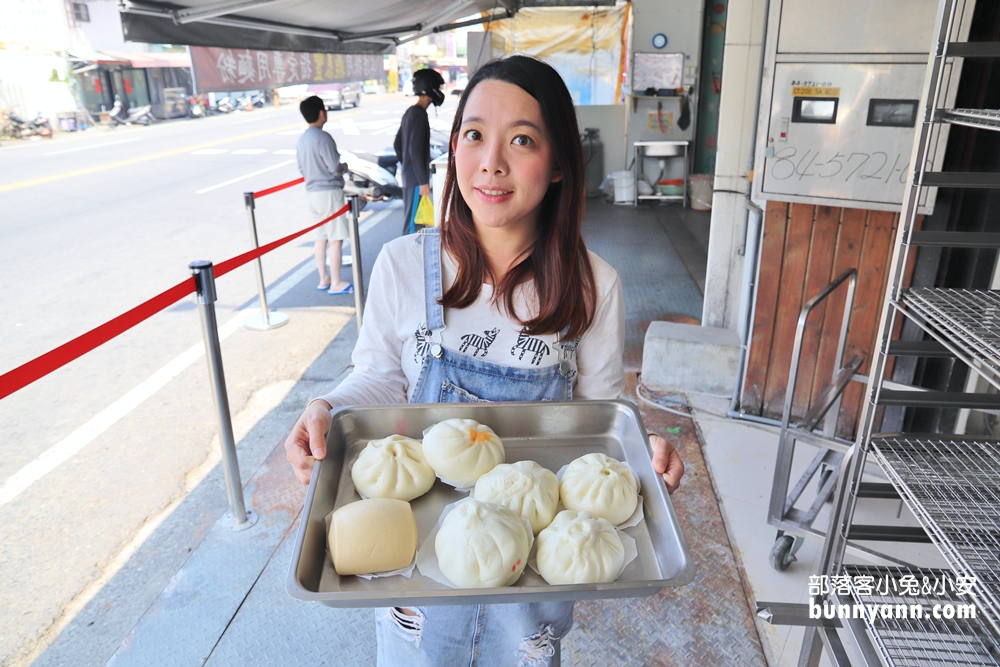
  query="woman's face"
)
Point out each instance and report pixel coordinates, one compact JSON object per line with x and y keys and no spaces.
{"x":503,"y":157}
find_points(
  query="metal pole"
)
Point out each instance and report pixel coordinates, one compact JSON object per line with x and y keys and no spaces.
{"x":359,"y":284}
{"x":204,"y":275}
{"x":263,"y":320}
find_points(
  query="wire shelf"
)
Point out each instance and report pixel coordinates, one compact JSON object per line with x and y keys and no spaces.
{"x":987,"y":119}
{"x":953,"y":489}
{"x":968,"y":321}
{"x":912,"y":640}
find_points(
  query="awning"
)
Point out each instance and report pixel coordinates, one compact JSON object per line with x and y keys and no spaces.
{"x":317,"y":26}
{"x":143,"y":59}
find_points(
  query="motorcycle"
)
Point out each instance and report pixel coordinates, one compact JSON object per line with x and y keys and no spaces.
{"x":19,"y":128}
{"x":195,"y":109}
{"x":258,"y":100}
{"x":224,"y":105}
{"x":366,"y":177}
{"x":136,"y":115}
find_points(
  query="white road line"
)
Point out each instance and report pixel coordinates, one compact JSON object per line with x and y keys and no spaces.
{"x":87,"y":148}
{"x":242,"y":178}
{"x":348,"y":125}
{"x":250,"y":151}
{"x":286,"y":151}
{"x":48,"y":460}
{"x":288,"y":133}
{"x":210,"y":151}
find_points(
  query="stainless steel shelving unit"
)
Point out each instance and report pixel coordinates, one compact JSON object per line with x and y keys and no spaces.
{"x":951,"y":483}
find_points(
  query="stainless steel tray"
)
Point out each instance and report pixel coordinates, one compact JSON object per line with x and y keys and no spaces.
{"x":553,"y":434}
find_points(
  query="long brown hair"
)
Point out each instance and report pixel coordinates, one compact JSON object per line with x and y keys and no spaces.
{"x":558,"y":263}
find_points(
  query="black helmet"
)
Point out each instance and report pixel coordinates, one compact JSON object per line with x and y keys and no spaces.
{"x":428,"y":82}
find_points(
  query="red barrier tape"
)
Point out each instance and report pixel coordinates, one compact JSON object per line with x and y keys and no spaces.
{"x":41,"y":366}
{"x":277,"y":188}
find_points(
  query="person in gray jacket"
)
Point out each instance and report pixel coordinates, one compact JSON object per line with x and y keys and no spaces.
{"x":319,"y":163}
{"x":413,"y":143}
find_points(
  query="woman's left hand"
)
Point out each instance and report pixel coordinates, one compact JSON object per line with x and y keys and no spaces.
{"x":666,"y":462}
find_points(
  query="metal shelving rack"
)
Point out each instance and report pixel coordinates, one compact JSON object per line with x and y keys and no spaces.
{"x":951,"y":483}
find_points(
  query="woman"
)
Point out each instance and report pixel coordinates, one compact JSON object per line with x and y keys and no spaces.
{"x":505,"y":304}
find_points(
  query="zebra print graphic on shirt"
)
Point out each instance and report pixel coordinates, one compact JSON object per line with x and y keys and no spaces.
{"x":528,"y":344}
{"x":480,"y":343}
{"x":423,"y":338}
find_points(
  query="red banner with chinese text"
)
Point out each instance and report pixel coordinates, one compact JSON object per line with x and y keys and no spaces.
{"x":218,"y":69}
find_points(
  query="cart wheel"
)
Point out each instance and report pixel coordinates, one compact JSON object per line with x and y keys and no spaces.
{"x":781,"y":553}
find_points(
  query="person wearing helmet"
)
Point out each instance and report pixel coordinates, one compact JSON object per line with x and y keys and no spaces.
{"x":413,"y":143}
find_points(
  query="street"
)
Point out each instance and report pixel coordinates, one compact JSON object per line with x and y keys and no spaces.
{"x":94,"y":455}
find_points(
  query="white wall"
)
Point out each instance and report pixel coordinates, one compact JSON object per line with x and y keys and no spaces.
{"x":681,"y":22}
{"x":737,"y":118}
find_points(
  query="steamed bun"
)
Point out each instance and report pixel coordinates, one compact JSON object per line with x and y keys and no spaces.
{"x":393,"y":467}
{"x":524,"y":487}
{"x":579,"y":548}
{"x":482,"y":545}
{"x":461,"y":450}
{"x":601,"y":485}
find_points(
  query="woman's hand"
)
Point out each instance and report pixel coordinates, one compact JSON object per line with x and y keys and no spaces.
{"x":306,"y":442}
{"x":666,"y":462}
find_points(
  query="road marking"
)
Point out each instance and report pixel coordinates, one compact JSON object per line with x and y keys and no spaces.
{"x":243,"y":178}
{"x":87,"y":148}
{"x":347,"y":124}
{"x":289,"y":133}
{"x":286,"y":151}
{"x":48,"y":460}
{"x":210,"y":151}
{"x":136,"y":160}
{"x":250,"y":151}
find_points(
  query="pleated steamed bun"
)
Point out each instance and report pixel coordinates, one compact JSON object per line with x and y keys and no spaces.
{"x":579,"y":548}
{"x":599,"y":484}
{"x":482,"y":545}
{"x":393,"y":467}
{"x":462,"y":450}
{"x":524,"y":487}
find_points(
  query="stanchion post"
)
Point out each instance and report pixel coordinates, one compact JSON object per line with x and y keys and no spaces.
{"x":359,"y":281}
{"x":264,"y":320}
{"x":204,"y":275}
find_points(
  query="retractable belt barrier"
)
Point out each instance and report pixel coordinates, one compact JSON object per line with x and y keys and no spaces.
{"x":41,"y":366}
{"x":202,"y":283}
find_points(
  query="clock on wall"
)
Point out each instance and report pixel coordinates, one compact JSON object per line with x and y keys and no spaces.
{"x":659,"y":40}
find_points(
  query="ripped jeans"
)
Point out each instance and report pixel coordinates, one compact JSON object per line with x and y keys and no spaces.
{"x":496,"y":635}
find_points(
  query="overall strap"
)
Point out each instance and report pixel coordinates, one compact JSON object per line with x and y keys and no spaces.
{"x":433,"y":280}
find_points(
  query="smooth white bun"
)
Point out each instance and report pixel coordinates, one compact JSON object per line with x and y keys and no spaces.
{"x":579,"y":548}
{"x":393,"y":467}
{"x":462,"y":450}
{"x":375,"y":535}
{"x":482,"y":545}
{"x":524,"y":487}
{"x":600,"y":485}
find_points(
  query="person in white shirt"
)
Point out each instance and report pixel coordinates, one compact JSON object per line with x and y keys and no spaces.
{"x":505,"y":303}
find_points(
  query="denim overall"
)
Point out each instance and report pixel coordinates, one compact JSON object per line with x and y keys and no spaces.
{"x":503,"y":635}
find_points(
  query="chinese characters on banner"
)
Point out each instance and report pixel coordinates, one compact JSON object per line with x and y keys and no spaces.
{"x":218,"y":69}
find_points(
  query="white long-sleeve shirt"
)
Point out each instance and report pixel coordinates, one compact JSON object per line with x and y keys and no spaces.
{"x":388,"y":355}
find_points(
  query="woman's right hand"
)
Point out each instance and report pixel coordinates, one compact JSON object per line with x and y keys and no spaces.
{"x":306,"y":443}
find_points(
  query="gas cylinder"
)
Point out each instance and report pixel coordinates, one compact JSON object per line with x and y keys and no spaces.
{"x":593,"y":159}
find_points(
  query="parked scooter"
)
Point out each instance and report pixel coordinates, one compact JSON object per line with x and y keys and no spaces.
{"x":195,"y":108}
{"x":19,"y":128}
{"x":365,"y":177}
{"x":136,"y":115}
{"x":224,"y":105}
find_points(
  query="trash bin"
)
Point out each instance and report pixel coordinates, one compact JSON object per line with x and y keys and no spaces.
{"x":67,"y":121}
{"x":624,"y":186}
{"x":701,"y":191}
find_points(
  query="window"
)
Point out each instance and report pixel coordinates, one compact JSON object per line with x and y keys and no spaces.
{"x":893,"y":113}
{"x":81,"y":13}
{"x":814,"y":109}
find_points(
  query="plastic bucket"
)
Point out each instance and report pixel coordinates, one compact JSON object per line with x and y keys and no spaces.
{"x":701,"y":191}
{"x":624,"y":186}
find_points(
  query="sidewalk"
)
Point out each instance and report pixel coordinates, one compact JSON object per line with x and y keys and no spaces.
{"x":199,"y":593}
